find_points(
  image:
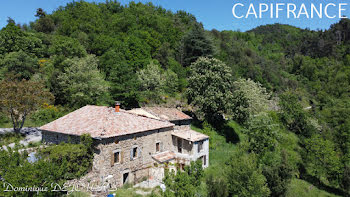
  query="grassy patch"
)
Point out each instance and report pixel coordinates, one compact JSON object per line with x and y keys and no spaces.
{"x":9,"y":138}
{"x":301,"y":188}
{"x":220,"y":150}
{"x":79,"y":194}
{"x":27,"y":123}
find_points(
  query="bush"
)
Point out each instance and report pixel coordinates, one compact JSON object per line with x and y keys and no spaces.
{"x":47,"y":113}
{"x":74,"y":159}
{"x":216,"y":186}
{"x":4,"y":119}
{"x":55,"y":164}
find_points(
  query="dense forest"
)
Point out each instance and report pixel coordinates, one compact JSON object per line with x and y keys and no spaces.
{"x":275,"y":100}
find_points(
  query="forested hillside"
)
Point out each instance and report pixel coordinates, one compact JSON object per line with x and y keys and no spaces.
{"x":275,"y":100}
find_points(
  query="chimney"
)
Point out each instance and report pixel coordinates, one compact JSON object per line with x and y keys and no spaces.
{"x":117,"y":106}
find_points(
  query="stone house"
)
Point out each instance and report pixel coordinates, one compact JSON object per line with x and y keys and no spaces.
{"x":130,"y":147}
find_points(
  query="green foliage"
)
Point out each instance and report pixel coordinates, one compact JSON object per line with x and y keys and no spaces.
{"x":154,"y":81}
{"x":279,"y":175}
{"x":245,"y":177}
{"x":21,"y":64}
{"x":262,"y":134}
{"x":294,"y":116}
{"x":209,"y":88}
{"x":321,"y":158}
{"x":66,"y":47}
{"x":250,"y":99}
{"x":47,"y":113}
{"x":55,"y":164}
{"x":311,"y":65}
{"x":184,"y":183}
{"x":20,"y":98}
{"x":216,"y":186}
{"x":151,"y":77}
{"x":196,"y":45}
{"x":73,"y":160}
{"x":8,"y":138}
{"x":13,"y":39}
{"x":124,"y":85}
{"x":302,"y":188}
{"x":82,"y":83}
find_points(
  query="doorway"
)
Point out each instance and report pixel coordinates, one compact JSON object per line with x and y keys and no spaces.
{"x":125,"y":178}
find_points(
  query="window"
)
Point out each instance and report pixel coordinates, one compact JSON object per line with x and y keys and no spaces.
{"x":204,"y":160}
{"x":157,"y":147}
{"x":117,"y":157}
{"x":179,"y":145}
{"x":200,"y":146}
{"x":134,"y":152}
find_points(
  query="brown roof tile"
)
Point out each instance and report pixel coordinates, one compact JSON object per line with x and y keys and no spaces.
{"x":104,"y":122}
{"x":164,"y":156}
{"x":169,"y":114}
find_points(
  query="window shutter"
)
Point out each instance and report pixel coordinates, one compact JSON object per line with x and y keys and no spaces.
{"x":131,"y":153}
{"x":112,"y":158}
{"x":121,"y":156}
{"x":139,"y":152}
{"x":161,"y":147}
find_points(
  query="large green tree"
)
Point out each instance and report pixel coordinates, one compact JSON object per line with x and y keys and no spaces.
{"x":82,"y":83}
{"x":20,"y":63}
{"x":209,"y":88}
{"x":245,"y":177}
{"x":195,"y":45}
{"x":250,"y":99}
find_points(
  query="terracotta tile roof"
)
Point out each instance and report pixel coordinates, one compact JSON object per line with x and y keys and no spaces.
{"x":142,"y":112}
{"x":164,"y":156}
{"x":104,"y":122}
{"x":189,"y":135}
{"x":168,"y":114}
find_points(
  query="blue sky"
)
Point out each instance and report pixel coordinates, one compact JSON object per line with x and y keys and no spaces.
{"x":212,"y":13}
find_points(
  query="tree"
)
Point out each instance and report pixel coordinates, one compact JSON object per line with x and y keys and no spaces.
{"x":209,"y":88}
{"x":151,"y":77}
{"x":217,"y":186}
{"x":262,"y":134}
{"x":124,"y":85}
{"x":244,"y":176}
{"x":196,"y":45}
{"x":184,"y":183}
{"x":82,"y":83}
{"x":13,"y":39}
{"x":250,"y":98}
{"x":66,"y":47}
{"x":21,"y":64}
{"x":322,"y":159}
{"x":20,"y":98}
{"x":294,"y":116}
{"x":278,"y":175}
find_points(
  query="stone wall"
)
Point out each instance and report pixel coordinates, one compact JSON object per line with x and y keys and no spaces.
{"x":138,"y":167}
{"x":204,"y":152}
{"x":187,"y":146}
{"x":49,"y":137}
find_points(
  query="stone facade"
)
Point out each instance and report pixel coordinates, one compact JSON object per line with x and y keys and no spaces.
{"x":188,"y":151}
{"x":56,"y":138}
{"x":131,"y":168}
{"x":135,"y":150}
{"x":135,"y":167}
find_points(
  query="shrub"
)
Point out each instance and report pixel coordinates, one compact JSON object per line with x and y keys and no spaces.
{"x":47,"y":113}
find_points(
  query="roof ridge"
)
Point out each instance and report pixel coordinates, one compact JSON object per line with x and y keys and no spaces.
{"x":161,"y":120}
